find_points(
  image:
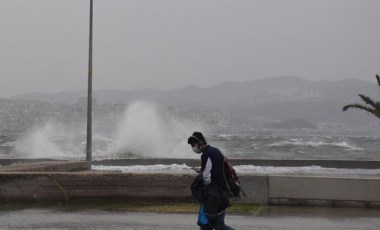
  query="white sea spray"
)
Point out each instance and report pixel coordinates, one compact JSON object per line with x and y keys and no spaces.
{"x":145,"y":130}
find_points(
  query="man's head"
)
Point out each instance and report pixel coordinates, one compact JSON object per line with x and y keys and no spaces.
{"x":197,"y":142}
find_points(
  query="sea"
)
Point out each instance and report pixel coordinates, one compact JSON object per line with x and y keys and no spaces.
{"x":244,"y":146}
{"x":289,"y":147}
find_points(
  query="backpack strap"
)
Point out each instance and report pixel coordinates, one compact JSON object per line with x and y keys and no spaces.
{"x":224,"y":174}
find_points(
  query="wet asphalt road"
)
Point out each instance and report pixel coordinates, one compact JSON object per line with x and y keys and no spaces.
{"x":285,"y":219}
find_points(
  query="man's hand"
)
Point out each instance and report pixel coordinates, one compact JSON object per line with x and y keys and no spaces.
{"x":197,"y":169}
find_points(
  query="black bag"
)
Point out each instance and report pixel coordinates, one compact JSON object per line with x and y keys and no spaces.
{"x":197,"y":188}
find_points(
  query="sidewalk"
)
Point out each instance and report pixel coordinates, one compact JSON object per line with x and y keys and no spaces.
{"x":279,"y":218}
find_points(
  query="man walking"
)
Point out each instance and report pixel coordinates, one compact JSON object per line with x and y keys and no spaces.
{"x":216,"y":194}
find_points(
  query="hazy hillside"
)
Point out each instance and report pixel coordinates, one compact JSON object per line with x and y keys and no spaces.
{"x":275,"y":89}
{"x":279,"y":98}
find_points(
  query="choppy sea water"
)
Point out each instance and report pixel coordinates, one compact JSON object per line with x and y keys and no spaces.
{"x":300,"y":147}
{"x":234,"y":146}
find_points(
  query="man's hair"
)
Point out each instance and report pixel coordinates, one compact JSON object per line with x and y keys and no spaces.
{"x":196,"y":138}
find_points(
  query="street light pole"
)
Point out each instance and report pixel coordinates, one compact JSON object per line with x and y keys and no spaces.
{"x":89,"y":96}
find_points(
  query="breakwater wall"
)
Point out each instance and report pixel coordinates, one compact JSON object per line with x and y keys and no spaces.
{"x":66,"y":186}
{"x":349,"y":164}
{"x":65,"y":183}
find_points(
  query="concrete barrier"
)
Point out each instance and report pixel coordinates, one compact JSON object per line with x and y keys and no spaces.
{"x":194,"y":162}
{"x":64,"y":186}
{"x":15,"y":161}
{"x":34,"y":187}
{"x":256,"y":189}
{"x":47,"y":166}
{"x":324,"y":190}
{"x":34,"y":182}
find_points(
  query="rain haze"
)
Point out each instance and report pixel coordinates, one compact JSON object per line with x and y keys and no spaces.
{"x":262,"y":79}
{"x":266,"y":81}
{"x":169,"y":44}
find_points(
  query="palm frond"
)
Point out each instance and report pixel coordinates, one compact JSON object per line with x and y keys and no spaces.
{"x":370,"y":106}
{"x":377,"y":109}
{"x":368,"y":100}
{"x":358,"y":106}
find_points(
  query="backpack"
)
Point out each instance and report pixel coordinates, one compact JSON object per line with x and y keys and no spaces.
{"x":232,"y":178}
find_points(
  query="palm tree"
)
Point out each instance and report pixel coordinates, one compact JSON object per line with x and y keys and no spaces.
{"x":371,"y":106}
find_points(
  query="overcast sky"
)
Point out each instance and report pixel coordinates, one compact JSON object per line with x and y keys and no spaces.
{"x":173,"y":43}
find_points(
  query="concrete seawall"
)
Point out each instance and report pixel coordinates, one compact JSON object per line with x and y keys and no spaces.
{"x":349,"y":164}
{"x":324,"y":190}
{"x":38,"y":183}
{"x":47,"y":166}
{"x":34,"y":187}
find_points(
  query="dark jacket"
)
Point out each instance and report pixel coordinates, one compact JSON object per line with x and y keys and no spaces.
{"x":213,"y":192}
{"x":216,"y":159}
{"x":216,"y":199}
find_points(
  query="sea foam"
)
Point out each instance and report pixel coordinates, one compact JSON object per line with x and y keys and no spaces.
{"x":246,"y":169}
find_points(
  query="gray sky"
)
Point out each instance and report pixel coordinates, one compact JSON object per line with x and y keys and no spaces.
{"x":172,"y":43}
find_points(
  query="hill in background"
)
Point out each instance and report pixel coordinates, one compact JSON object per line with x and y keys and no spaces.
{"x":256,"y":103}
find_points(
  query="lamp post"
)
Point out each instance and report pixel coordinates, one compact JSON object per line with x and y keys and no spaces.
{"x":89,"y":96}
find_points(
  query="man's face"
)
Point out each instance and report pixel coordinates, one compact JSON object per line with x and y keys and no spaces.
{"x":196,"y":148}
